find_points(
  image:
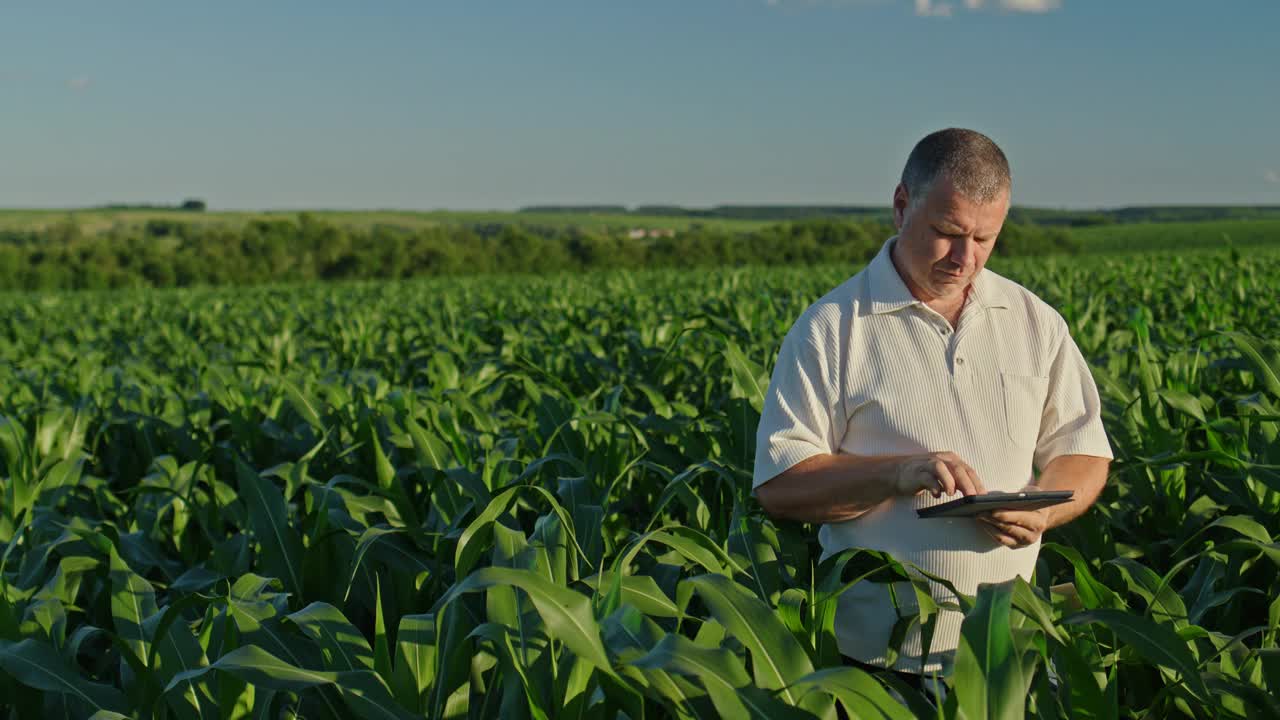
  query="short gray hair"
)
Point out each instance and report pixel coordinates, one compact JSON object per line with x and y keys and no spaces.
{"x":975,"y":164}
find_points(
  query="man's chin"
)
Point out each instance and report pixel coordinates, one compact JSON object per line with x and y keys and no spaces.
{"x":948,"y":285}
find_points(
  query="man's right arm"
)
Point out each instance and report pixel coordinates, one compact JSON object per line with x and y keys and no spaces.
{"x":803,"y":416}
{"x":830,"y":488}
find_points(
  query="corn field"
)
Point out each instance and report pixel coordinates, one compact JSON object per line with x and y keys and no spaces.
{"x":526,"y":497}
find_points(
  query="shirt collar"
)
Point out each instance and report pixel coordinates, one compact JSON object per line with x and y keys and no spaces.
{"x":987,"y":291}
{"x":889,"y":293}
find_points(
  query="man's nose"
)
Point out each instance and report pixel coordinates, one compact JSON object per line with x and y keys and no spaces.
{"x":962,"y":251}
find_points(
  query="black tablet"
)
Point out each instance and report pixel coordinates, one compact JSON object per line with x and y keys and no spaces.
{"x":970,"y":505}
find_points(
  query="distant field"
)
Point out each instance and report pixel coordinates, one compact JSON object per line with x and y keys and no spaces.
{"x":95,"y":221}
{"x":1135,"y":237}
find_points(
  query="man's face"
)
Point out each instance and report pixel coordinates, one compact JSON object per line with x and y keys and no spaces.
{"x":946,"y":240}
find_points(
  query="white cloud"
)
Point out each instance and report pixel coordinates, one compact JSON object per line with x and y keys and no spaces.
{"x":928,"y":8}
{"x":1271,"y":176}
{"x":79,"y":83}
{"x":1028,"y":6}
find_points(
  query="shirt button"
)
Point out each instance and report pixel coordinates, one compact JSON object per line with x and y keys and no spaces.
{"x":943,"y":330}
{"x":959,"y":361}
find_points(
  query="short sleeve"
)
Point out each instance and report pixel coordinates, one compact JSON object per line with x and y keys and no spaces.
{"x":1072,"y":420}
{"x":803,"y":413}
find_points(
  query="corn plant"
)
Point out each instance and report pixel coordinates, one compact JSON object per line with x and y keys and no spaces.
{"x":529,"y":498}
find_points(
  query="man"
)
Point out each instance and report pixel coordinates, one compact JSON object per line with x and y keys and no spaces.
{"x":922,"y":378}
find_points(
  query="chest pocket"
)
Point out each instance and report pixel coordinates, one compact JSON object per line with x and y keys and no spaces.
{"x":1024,"y":397}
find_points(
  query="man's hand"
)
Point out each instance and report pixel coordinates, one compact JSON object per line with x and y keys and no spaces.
{"x":1015,"y":528}
{"x":1085,"y":475}
{"x":940,"y":473}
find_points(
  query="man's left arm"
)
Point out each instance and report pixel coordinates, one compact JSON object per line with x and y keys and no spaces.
{"x":1084,"y":474}
{"x":1072,"y":451}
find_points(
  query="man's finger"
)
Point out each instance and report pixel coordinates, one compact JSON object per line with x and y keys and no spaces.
{"x":1021,"y":518}
{"x":1017,"y":533}
{"x":924,"y":477}
{"x":966,"y":479}
{"x":999,"y":536}
{"x":946,"y":481}
{"x":1002,"y":524}
{"x":990,"y":522}
{"x":977,"y":482}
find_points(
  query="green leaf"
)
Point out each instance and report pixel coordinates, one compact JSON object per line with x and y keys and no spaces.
{"x":748,"y":377}
{"x":629,"y":635}
{"x":133,"y":600}
{"x":696,"y":547}
{"x":1199,"y":591}
{"x":386,"y":474}
{"x":1184,"y":402}
{"x":432,"y":452}
{"x":362,"y":690}
{"x":988,"y":681}
{"x":308,"y":407}
{"x":342,"y":642}
{"x":1033,"y":606}
{"x":1157,"y":642}
{"x":384,"y":538}
{"x":415,"y":665}
{"x":251,"y":601}
{"x":174,"y":649}
{"x":1093,"y":593}
{"x":641,"y":591}
{"x":519,"y":688}
{"x":566,"y":613}
{"x":36,"y":664}
{"x":474,"y":540}
{"x":381,"y":645}
{"x":1252,"y":349}
{"x":454,"y":655}
{"x":1163,"y":602}
{"x":859,"y":692}
{"x":1244,"y":525}
{"x":281,"y":547}
{"x":721,"y":674}
{"x":777,"y":659}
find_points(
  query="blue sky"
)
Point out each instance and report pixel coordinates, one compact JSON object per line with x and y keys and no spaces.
{"x":504,"y":103}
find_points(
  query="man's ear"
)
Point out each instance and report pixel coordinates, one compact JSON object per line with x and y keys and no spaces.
{"x":901,"y":200}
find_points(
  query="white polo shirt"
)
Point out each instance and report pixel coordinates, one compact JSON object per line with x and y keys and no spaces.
{"x":870,"y":370}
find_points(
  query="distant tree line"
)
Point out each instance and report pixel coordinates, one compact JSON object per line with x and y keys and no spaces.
{"x":188,"y":205}
{"x":166,"y":253}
